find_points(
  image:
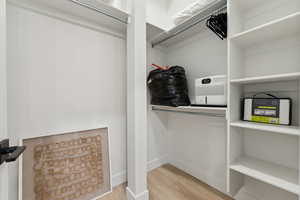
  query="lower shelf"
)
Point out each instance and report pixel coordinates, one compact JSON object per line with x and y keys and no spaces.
{"x":276,"y":175}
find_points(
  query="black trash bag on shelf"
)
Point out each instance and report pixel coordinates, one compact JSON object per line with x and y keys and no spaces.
{"x":169,"y":87}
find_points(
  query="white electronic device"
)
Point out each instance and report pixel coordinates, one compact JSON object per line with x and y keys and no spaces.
{"x":211,"y":91}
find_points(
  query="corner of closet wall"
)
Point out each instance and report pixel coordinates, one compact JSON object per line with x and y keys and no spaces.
{"x":263,"y":57}
{"x":158,"y":137}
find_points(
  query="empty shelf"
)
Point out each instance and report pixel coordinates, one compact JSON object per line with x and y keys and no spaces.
{"x":288,"y":130}
{"x":270,"y":78}
{"x":191,"y":109}
{"x":278,"y":28}
{"x":276,"y":175}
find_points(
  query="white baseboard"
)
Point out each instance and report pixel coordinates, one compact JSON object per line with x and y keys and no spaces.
{"x":156,"y":163}
{"x":218,"y":183}
{"x":121,"y":177}
{"x":142,"y":196}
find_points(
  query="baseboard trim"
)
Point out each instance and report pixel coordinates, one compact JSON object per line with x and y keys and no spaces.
{"x":156,"y":163}
{"x":142,"y":196}
{"x":121,"y":177}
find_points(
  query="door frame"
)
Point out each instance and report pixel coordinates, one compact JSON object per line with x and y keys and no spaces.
{"x":3,"y":97}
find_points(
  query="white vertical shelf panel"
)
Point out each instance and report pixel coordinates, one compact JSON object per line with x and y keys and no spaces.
{"x":137,"y":103}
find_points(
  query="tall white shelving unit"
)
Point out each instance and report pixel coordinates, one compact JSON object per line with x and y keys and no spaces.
{"x":263,"y":56}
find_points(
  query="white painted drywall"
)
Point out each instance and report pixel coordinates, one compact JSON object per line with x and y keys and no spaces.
{"x":157,"y":14}
{"x":202,"y":55}
{"x":64,"y":77}
{"x":3,"y":98}
{"x":158,"y":137}
{"x":198,"y":143}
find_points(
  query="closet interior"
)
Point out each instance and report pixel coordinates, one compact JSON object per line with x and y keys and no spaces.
{"x":261,"y":55}
{"x":66,"y":71}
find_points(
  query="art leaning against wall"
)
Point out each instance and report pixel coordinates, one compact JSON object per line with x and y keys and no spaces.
{"x":69,"y":166}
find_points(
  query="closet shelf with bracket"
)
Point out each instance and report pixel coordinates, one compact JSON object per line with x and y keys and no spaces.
{"x":190,"y":27}
{"x":90,"y":12}
{"x":210,"y":111}
{"x":273,"y":30}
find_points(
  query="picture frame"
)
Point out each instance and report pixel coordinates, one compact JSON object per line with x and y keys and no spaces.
{"x":84,"y":133}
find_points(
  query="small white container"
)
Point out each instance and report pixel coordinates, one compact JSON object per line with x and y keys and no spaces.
{"x":211,"y":90}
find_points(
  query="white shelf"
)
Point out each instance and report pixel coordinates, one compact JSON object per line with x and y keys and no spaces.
{"x":90,"y":11}
{"x":288,"y":130}
{"x":191,"y":109}
{"x":270,"y":78}
{"x":276,"y":175}
{"x":188,"y":28}
{"x":270,"y":31}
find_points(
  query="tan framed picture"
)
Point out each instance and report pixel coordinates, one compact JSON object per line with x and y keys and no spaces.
{"x":66,"y":166}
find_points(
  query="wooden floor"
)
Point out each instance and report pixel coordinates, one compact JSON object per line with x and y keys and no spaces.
{"x":169,"y":183}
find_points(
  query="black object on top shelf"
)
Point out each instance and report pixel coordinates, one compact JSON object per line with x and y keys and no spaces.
{"x":168,"y":87}
{"x":218,"y":24}
{"x":9,"y":154}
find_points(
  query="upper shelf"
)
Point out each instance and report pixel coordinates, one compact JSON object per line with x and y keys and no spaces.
{"x":188,"y":28}
{"x":213,"y":111}
{"x":270,"y":31}
{"x":91,"y":11}
{"x":270,"y":78}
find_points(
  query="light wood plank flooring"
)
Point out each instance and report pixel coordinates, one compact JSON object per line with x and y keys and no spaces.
{"x":170,"y":183}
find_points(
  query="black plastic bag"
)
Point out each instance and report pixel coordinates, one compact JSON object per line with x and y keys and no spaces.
{"x":169,"y":87}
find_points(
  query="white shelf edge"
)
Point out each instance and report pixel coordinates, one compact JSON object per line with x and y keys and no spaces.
{"x":266,"y":25}
{"x":81,"y":15}
{"x":263,"y":171}
{"x":288,"y":130}
{"x":270,"y":78}
{"x":191,"y":109}
{"x":187,"y":24}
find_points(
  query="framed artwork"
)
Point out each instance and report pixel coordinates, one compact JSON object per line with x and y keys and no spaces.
{"x":67,"y":166}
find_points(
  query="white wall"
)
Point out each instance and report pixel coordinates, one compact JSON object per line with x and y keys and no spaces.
{"x":158,"y":138}
{"x":64,"y":77}
{"x":3,"y":100}
{"x":198,"y":143}
{"x":157,"y":14}
{"x":202,"y":55}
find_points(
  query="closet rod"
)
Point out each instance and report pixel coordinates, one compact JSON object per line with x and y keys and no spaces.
{"x":192,"y":113}
{"x":190,"y":26}
{"x":78,"y":2}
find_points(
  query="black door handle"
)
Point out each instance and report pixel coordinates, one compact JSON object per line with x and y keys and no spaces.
{"x":10,"y":154}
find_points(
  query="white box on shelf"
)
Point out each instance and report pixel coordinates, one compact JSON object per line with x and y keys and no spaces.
{"x":211,"y":91}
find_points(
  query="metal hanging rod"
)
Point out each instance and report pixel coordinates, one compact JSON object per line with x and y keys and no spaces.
{"x":190,"y":112}
{"x":206,"y":17}
{"x":91,"y":7}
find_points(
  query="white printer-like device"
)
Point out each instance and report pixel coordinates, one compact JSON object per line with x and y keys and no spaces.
{"x":211,"y":91}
